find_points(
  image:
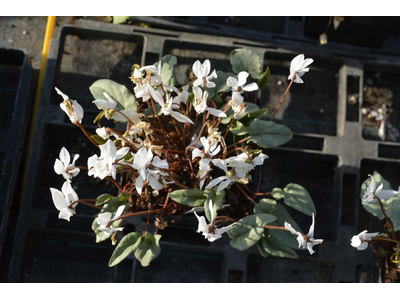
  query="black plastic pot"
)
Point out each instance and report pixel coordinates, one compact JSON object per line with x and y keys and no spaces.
{"x":16,"y":101}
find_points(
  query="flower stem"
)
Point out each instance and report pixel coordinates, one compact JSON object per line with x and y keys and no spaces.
{"x":283,"y":97}
{"x":383,"y":211}
{"x":244,"y":194}
{"x":385,"y":239}
{"x":87,"y":134}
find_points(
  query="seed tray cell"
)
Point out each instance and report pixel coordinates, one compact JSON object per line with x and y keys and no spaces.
{"x":284,"y":167}
{"x":85,"y":186}
{"x":86,"y":56}
{"x":59,"y":257}
{"x":384,"y":88}
{"x":15,"y":88}
{"x":188,"y":53}
{"x":182,"y":265}
{"x":310,"y":107}
{"x":282,"y":270}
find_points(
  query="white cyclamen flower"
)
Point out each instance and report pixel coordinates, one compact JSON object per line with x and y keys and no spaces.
{"x":201,"y":72}
{"x":62,"y":199}
{"x":238,"y":105}
{"x":372,"y":191}
{"x":142,"y":160}
{"x":63,"y":166}
{"x":182,"y":96}
{"x":238,"y":85}
{"x":71,"y":107}
{"x":223,"y":181}
{"x":243,"y":164}
{"x":105,"y":218}
{"x":310,"y":236}
{"x":210,"y":232}
{"x":205,"y":155}
{"x":299,"y":66}
{"x":200,"y":104}
{"x":166,"y":107}
{"x":103,"y":166}
{"x":109,"y":108}
{"x":360,"y":241}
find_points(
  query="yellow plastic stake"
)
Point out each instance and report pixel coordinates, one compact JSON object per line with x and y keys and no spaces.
{"x":51,"y":23}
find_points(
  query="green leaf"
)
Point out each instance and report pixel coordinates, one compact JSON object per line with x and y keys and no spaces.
{"x":103,"y":199}
{"x":100,"y":235}
{"x":147,"y":111}
{"x":220,"y":85}
{"x":98,"y":116}
{"x":120,"y":19}
{"x":216,"y":199}
{"x":268,"y":134}
{"x":148,"y":249}
{"x":275,"y":248}
{"x":126,"y":246}
{"x":270,"y":206}
{"x":168,"y":69}
{"x":297,"y":197}
{"x":98,"y":139}
{"x":286,"y":237}
{"x":189,"y":197}
{"x":112,"y":205}
{"x":265,"y":79}
{"x":373,"y":207}
{"x":265,"y":206}
{"x":247,"y":231}
{"x":238,"y":128}
{"x":124,"y":98}
{"x":393,"y":212}
{"x":246,"y":60}
{"x":261,"y":248}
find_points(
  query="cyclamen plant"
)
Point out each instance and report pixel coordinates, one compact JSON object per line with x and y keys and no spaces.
{"x":380,"y":200}
{"x":188,"y":150}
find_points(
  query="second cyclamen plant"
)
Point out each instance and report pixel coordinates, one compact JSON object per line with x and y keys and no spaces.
{"x":189,"y":149}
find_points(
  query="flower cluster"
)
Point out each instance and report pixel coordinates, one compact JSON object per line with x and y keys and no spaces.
{"x":183,"y":148}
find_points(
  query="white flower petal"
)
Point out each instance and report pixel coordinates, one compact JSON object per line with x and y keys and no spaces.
{"x":250,"y":87}
{"x":180,"y":117}
{"x":58,"y":199}
{"x":216,"y":112}
{"x":66,"y":214}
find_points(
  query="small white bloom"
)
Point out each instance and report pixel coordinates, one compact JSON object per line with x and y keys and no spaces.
{"x":360,"y":241}
{"x":215,"y":137}
{"x":200,"y":104}
{"x":243,"y":164}
{"x":105,"y":218}
{"x":205,"y":155}
{"x":103,"y":166}
{"x":223,"y":181}
{"x":182,"y":96}
{"x":311,"y":242}
{"x":210,"y":233}
{"x":101,"y":132}
{"x":372,"y":191}
{"x":201,"y":72}
{"x":62,"y":199}
{"x":299,"y":66}
{"x":109,"y":108}
{"x":71,"y":107}
{"x":142,"y":90}
{"x":166,"y":107}
{"x":239,"y":85}
{"x":142,"y":160}
{"x":238,"y":105}
{"x":63,"y":167}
